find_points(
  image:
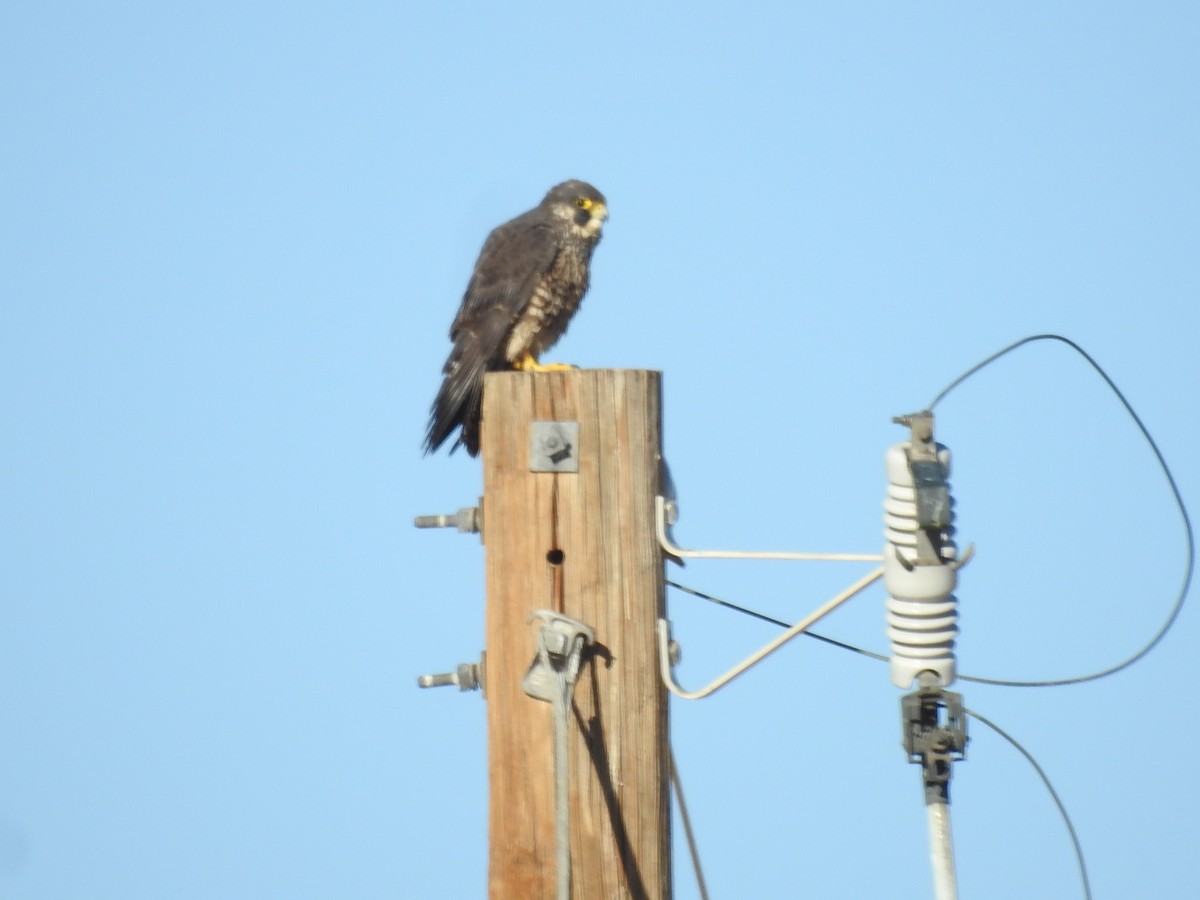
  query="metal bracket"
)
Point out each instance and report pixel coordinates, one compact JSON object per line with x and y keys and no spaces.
{"x":666,"y":512}
{"x":930,"y":486}
{"x":665,"y":654}
{"x":935,"y":736}
{"x":561,"y":641}
{"x":553,"y":446}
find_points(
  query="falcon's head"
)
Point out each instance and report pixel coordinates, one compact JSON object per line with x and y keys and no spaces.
{"x":581,"y":204}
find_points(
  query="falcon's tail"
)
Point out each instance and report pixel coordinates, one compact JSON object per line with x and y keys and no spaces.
{"x":459,"y":404}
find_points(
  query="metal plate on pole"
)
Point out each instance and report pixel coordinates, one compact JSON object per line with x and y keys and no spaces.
{"x":553,"y":446}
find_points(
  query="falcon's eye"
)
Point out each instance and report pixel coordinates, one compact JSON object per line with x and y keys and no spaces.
{"x":583,"y":202}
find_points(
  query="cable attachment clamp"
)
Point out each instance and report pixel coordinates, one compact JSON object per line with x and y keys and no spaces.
{"x":935,"y":736}
{"x":561,"y":643}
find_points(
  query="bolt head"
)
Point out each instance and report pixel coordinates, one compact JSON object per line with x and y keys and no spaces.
{"x":556,"y":643}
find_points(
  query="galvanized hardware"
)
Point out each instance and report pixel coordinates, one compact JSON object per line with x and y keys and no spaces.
{"x":934,"y":726}
{"x":551,"y":677}
{"x":927,"y":462}
{"x":467,"y":677}
{"x":674,"y":653}
{"x":665,"y":653}
{"x":468,"y":520}
{"x":554,"y":447}
{"x":666,"y":512}
{"x":935,"y":735}
{"x":561,"y":641}
{"x":670,"y":509}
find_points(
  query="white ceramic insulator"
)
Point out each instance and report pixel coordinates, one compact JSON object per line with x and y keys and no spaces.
{"x":922,"y":611}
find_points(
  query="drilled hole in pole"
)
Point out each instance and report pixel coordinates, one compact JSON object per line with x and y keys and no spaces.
{"x":555,"y":557}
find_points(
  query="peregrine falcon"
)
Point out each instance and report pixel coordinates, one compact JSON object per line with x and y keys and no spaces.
{"x":528,"y":281}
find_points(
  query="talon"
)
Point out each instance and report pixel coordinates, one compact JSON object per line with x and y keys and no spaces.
{"x":528,"y":363}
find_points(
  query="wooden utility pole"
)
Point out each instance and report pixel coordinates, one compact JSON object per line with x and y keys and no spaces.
{"x":582,"y":544}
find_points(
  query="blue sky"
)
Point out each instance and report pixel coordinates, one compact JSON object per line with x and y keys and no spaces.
{"x":232,"y":239}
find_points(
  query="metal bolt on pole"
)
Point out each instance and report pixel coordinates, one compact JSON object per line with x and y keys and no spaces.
{"x":468,"y":520}
{"x":467,"y":677}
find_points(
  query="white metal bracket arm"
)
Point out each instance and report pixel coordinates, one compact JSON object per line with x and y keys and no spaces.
{"x":664,"y":507}
{"x":664,"y":640}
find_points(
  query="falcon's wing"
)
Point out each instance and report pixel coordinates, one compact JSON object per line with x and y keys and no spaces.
{"x":515,"y":257}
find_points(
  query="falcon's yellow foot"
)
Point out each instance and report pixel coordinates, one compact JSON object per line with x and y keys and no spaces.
{"x":527,"y":363}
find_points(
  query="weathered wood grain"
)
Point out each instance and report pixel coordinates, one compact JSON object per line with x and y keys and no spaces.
{"x":600,"y":524}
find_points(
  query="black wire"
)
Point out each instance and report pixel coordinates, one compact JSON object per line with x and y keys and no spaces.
{"x":1080,"y":679}
{"x":728,"y":605}
{"x":1087,"y":890}
{"x":1166,"y":470}
{"x":1150,"y":645}
{"x":870,"y":654}
{"x":773,"y":621}
{"x":1083,"y":875}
